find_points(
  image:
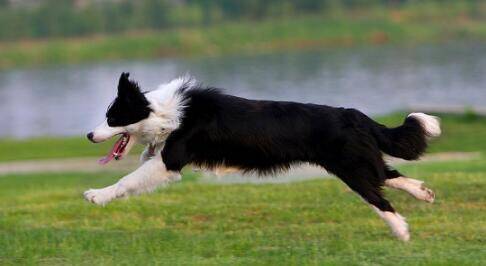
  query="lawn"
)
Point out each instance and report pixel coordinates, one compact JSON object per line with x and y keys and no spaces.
{"x":44,"y":220}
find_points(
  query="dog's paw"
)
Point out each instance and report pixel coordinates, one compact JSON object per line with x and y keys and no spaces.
{"x":100,"y":196}
{"x":426,"y":194}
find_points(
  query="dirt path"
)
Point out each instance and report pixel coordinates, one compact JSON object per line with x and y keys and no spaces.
{"x":90,"y":165}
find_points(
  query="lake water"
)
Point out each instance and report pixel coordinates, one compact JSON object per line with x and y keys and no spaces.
{"x":70,"y":100}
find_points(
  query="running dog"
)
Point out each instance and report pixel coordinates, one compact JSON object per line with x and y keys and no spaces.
{"x":184,"y":123}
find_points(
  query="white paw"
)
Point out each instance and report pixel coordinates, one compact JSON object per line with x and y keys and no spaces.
{"x":414,"y":181}
{"x":421,"y":192}
{"x":414,"y":187}
{"x":426,"y":194}
{"x":101,"y":196}
{"x":403,"y":235}
{"x":398,"y":225}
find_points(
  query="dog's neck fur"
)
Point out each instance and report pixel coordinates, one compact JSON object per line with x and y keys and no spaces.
{"x":167,"y":104}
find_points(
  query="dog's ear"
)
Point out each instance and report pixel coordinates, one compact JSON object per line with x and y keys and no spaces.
{"x":124,"y":77}
{"x":127,"y":88}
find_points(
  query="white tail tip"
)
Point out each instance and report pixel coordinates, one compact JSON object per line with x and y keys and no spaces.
{"x":431,"y":124}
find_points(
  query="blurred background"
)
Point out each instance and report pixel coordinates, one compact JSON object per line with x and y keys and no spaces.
{"x":60,"y":59}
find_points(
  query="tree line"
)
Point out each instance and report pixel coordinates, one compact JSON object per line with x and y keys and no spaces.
{"x":67,"y":18}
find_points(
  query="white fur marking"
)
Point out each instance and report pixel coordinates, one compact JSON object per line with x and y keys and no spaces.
{"x":397,"y":223}
{"x":101,"y":196}
{"x":414,"y":187}
{"x":167,"y":105}
{"x":104,"y":132}
{"x":166,"y":101}
{"x":431,"y":124}
{"x":146,"y":178}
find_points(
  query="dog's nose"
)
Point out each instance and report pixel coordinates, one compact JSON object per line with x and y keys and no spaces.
{"x":90,"y":136}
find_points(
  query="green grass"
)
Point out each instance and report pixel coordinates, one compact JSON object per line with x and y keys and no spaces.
{"x":49,"y":148}
{"x":460,"y":133}
{"x":44,"y":220}
{"x":346,"y":28}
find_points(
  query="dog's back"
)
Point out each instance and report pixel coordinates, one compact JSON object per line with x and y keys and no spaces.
{"x":252,"y":135}
{"x":267,"y":136}
{"x":201,"y":126}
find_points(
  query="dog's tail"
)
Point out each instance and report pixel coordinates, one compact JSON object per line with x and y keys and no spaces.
{"x":408,"y":141}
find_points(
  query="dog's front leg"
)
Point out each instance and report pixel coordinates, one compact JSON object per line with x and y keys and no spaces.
{"x":146,"y":178}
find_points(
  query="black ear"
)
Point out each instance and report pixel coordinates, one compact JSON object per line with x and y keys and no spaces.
{"x":126,"y":87}
{"x":124,"y":77}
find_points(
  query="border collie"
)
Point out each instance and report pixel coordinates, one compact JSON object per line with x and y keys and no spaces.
{"x":183,"y":123}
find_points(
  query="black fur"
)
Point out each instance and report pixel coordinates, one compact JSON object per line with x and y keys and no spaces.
{"x":268,"y":136}
{"x":130,"y":106}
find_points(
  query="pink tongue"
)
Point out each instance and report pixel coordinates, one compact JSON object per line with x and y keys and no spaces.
{"x":111,"y":154}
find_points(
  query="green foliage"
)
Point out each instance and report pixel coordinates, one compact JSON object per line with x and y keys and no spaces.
{"x":244,"y":37}
{"x":470,"y":114}
{"x":65,"y":18}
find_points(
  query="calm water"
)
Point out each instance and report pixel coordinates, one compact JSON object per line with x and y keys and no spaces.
{"x":70,"y":100}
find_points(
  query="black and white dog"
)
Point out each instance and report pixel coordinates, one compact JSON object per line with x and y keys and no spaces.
{"x":184,"y":123}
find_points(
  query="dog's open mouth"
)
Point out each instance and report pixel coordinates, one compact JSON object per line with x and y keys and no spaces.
{"x":118,"y":149}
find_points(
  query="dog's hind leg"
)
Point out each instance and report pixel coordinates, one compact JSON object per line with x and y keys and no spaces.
{"x":363,"y":173}
{"x":146,"y":178}
{"x":380,"y":205}
{"x":414,"y":187}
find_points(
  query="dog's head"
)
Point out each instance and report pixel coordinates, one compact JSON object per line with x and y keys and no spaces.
{"x":135,"y":117}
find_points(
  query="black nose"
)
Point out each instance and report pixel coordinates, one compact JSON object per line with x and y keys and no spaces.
{"x":90,"y":136}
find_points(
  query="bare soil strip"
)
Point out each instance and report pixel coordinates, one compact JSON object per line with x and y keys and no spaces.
{"x":90,"y":165}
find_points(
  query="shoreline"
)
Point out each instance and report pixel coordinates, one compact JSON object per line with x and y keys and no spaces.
{"x":245,"y":37}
